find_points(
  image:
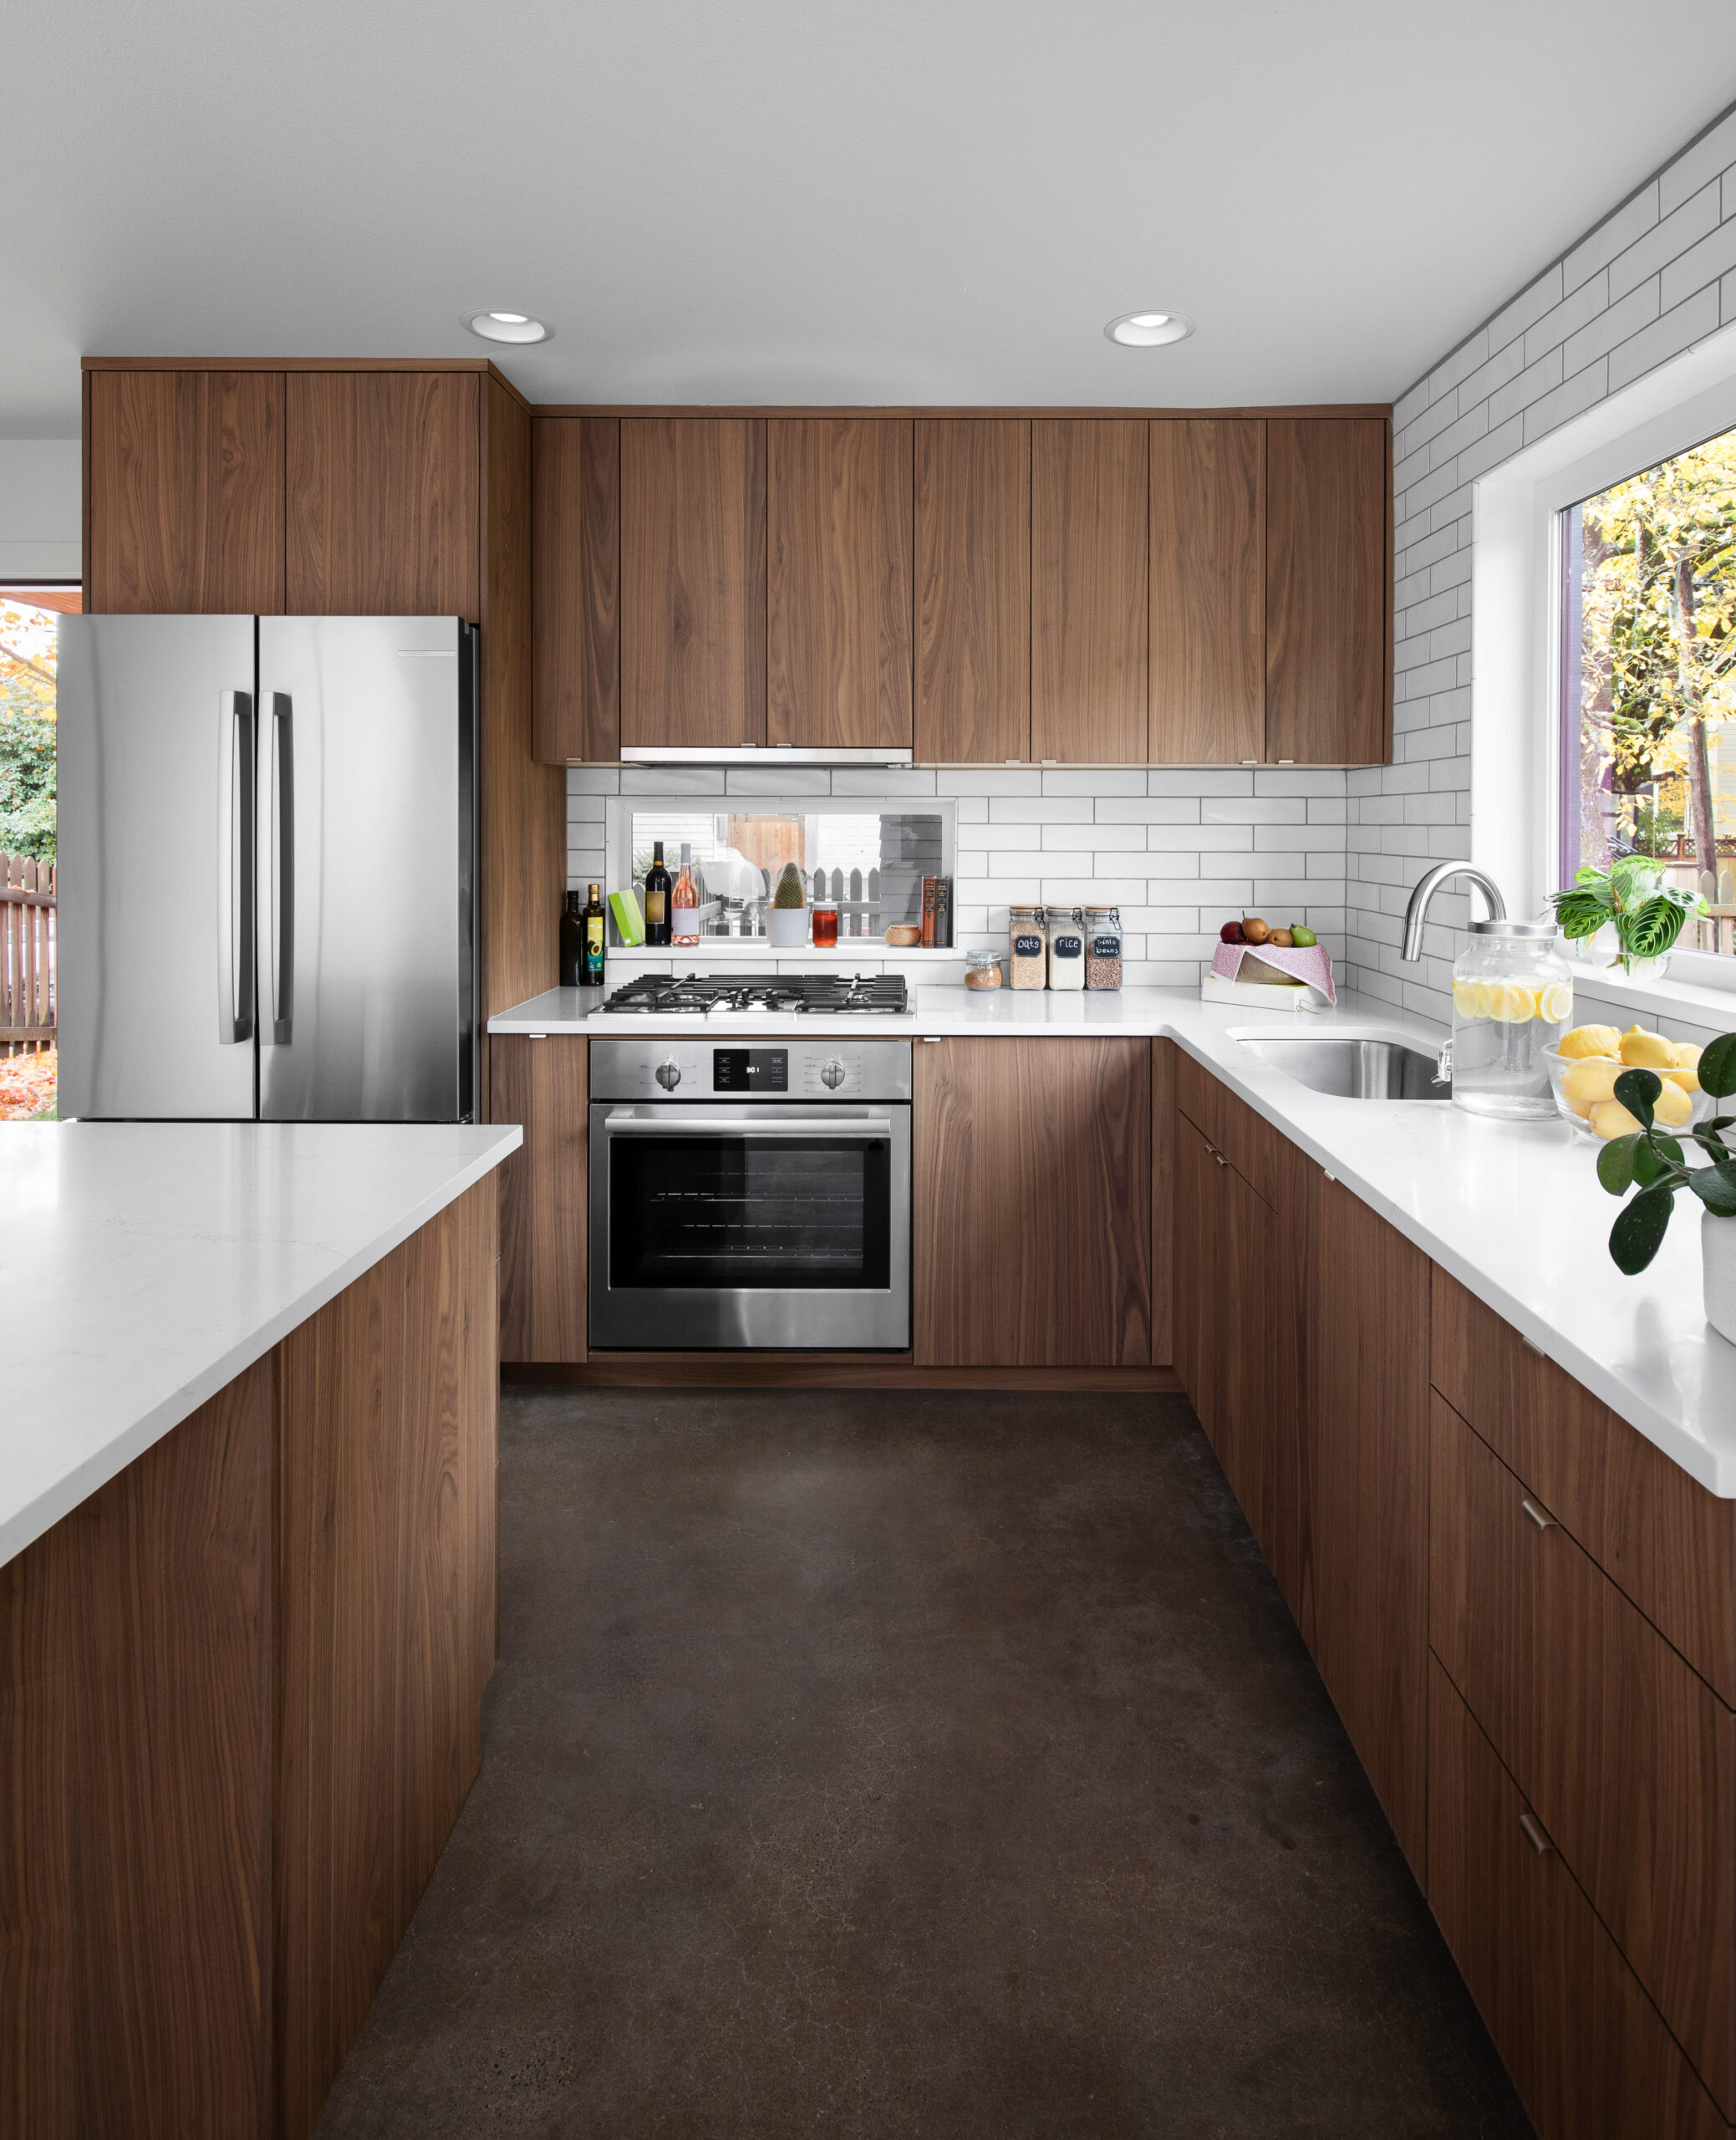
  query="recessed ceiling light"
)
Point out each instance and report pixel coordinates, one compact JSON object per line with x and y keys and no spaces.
{"x":507,"y":327}
{"x":1148,"y":330}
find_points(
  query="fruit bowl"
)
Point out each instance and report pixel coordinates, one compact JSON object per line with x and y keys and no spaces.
{"x":1582,"y":1084}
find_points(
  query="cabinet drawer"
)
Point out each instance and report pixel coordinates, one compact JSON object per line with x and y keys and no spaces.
{"x":1256,"y":1150}
{"x":1625,"y":1756}
{"x":1668,"y":1543}
{"x":1584,"y":2046}
{"x":1197,"y":1093}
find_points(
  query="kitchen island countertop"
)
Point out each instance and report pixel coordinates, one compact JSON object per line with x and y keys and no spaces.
{"x":1514,"y":1210}
{"x":144,"y":1265}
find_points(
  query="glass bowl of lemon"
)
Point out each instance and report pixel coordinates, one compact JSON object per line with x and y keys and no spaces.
{"x":1584,"y":1066}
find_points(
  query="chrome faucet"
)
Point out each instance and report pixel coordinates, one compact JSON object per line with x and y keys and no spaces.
{"x":1417,"y":913}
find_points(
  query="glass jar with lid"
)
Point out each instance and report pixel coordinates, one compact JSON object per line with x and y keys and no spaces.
{"x":1067,"y":947}
{"x":982,"y":969}
{"x":1512,"y":1000}
{"x":1102,"y":947}
{"x":1028,"y":962}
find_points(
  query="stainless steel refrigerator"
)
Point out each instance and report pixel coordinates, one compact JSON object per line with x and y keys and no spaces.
{"x":268,"y":868}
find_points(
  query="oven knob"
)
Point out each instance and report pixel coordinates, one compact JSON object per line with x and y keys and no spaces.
{"x":831,"y":1074}
{"x":669,"y":1074}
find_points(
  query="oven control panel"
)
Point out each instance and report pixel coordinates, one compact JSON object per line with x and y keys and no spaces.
{"x":747,"y":1070}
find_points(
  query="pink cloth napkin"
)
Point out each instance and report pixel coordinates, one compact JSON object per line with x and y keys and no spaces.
{"x":1311,"y":965}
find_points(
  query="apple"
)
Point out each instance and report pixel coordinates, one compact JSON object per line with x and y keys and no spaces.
{"x":1254,"y":929}
{"x":1230,"y":933}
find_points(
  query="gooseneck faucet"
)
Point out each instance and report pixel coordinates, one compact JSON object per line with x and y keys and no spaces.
{"x":1417,"y":913}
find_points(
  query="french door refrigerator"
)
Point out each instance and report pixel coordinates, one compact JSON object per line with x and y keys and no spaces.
{"x":268,"y":868}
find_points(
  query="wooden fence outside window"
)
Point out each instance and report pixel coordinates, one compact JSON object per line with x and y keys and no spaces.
{"x":27,"y":954}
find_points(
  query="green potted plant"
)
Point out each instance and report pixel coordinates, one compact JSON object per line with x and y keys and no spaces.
{"x":786,"y":922}
{"x":1652,"y":1161}
{"x":1647,"y":914}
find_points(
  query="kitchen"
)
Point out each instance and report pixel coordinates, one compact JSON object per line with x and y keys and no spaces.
{"x":1051,"y":1464}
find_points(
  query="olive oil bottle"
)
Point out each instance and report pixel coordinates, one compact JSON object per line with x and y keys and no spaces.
{"x":596,"y":946}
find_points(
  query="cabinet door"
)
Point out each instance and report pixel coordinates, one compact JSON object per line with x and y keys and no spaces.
{"x":1031,"y":1217}
{"x":1208,"y":591}
{"x":693,"y":581}
{"x":1366,"y":1485}
{"x":384,"y":494}
{"x":1328,"y":564}
{"x":186,"y":493}
{"x":840,"y":624}
{"x":1584,"y":2046}
{"x":576,"y":574}
{"x":1198,"y":1205}
{"x":973,"y":589}
{"x":1090,"y":485}
{"x":542,"y":1084}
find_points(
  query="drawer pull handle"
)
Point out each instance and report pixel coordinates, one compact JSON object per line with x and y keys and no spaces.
{"x":1212,"y":1153}
{"x":1542,"y":1521}
{"x":1535,"y":1836}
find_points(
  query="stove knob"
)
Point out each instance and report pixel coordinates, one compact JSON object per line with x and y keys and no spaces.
{"x":669,"y":1074}
{"x":831,"y":1074}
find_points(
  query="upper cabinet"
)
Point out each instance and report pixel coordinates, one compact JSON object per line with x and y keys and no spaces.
{"x":1328,"y":559}
{"x":382,"y":495}
{"x":185,"y":510}
{"x":576,"y":585}
{"x":1090,"y":480}
{"x":973,"y":589}
{"x":840,"y":622}
{"x":693,"y":581}
{"x":1208,"y":590}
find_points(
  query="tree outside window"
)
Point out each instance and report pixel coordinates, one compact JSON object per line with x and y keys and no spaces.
{"x":27,"y":719}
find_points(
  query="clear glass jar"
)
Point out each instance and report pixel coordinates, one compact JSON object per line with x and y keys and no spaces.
{"x":1067,"y":947}
{"x":1102,"y":947}
{"x":1029,"y":960}
{"x":982,"y":969}
{"x":1512,"y":999}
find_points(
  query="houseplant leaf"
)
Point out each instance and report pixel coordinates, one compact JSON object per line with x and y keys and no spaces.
{"x":1614,"y":1164}
{"x":1640,"y":1228}
{"x":1716,"y":1188}
{"x":1717,"y":1067}
{"x":1636,"y":1090}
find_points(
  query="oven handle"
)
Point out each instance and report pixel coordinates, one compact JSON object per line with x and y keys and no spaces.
{"x":710,"y":1125}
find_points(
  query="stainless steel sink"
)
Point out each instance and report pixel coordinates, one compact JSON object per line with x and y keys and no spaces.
{"x":1348,"y":1069}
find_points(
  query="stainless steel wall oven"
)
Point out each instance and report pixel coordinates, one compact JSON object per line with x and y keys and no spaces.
{"x":749,"y":1194}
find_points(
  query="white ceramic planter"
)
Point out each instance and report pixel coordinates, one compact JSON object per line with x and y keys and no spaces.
{"x":786,"y":927}
{"x":1717,"y":1260}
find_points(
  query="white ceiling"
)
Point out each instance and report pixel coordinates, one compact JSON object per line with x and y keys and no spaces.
{"x":792,"y":201}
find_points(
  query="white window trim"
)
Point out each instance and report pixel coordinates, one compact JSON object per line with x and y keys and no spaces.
{"x":1515,"y":639}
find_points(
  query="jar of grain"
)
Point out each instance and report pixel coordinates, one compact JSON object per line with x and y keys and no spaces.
{"x":1102,"y":947}
{"x":1028,"y":962}
{"x":982,"y":969}
{"x":1067,"y":947}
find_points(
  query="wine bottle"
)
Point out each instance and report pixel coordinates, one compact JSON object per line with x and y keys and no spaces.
{"x":657,"y":898}
{"x":572,"y":944}
{"x":684,"y":904}
{"x":596,"y":950}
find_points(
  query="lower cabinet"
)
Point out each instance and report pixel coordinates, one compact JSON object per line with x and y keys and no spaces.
{"x":541,"y":1084}
{"x":1586,"y":2048}
{"x":1030,"y":1211}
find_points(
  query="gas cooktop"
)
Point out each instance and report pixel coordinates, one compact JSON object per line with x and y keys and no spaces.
{"x":653,"y":995}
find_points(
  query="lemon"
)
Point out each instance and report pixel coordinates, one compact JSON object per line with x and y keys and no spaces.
{"x":1485,"y":999}
{"x":1464,"y":999}
{"x":1674,"y":1108}
{"x":1610,"y":1119}
{"x":1511,"y":1003}
{"x":1687,"y":1074}
{"x":1591,"y":1079}
{"x":1644,"y":1051}
{"x":1589,"y":1040}
{"x":1556,"y":1002}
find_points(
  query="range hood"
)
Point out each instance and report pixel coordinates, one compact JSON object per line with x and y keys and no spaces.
{"x":762,"y":754}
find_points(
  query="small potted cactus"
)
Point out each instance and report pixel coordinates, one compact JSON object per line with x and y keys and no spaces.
{"x":787,"y":920}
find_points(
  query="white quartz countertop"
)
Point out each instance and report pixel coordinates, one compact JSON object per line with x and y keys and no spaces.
{"x":144,"y":1265}
{"x":1514,"y":1210}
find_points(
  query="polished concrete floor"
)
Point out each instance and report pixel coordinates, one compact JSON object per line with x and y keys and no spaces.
{"x":868,"y":1766}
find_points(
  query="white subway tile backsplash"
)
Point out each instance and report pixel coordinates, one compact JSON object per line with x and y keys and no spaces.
{"x":988,"y":780}
{"x":1253,"y":810}
{"x":1040,"y":810}
{"x":1095,"y":780}
{"x":1149,"y":810}
{"x":1200,"y":780}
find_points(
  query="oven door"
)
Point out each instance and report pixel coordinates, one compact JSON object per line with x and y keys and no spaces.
{"x":720,"y":1225}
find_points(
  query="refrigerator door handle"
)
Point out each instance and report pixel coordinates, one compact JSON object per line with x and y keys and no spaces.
{"x":281,"y":827}
{"x":235,"y":868}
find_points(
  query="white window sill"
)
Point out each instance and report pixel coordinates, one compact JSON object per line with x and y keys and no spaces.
{"x":1669,"y":996}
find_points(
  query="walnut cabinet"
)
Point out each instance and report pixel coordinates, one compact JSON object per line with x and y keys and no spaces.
{"x":1524,"y":1614}
{"x":1069,"y":586}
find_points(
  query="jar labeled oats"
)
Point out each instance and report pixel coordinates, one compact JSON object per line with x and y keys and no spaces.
{"x":1028,"y":962}
{"x":1102,"y":947}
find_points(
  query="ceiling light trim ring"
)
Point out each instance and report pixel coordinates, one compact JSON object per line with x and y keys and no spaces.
{"x":1148,"y":328}
{"x":519,"y":328}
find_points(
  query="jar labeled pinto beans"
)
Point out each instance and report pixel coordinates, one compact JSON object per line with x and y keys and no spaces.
{"x":1102,"y":947}
{"x":1028,"y":963}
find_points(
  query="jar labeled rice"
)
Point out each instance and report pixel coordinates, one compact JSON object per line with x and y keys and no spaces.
{"x":1028,"y":963}
{"x":1102,"y":947}
{"x":1067,"y":947}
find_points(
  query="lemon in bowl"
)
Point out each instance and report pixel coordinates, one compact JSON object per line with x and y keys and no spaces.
{"x":1582,"y":1075}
